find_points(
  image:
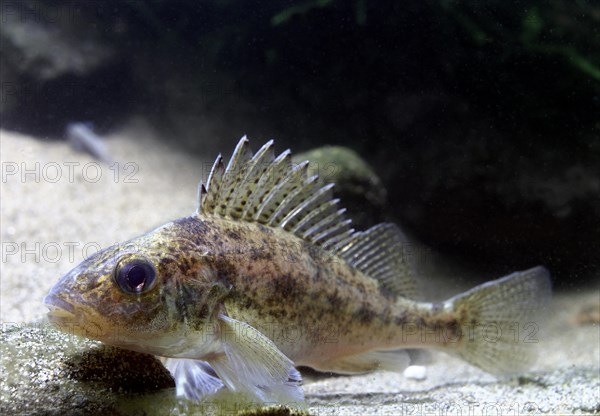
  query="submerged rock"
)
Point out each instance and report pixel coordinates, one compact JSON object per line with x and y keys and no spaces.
{"x":48,"y":372}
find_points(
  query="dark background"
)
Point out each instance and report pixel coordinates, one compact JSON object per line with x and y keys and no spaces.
{"x":481,"y":117}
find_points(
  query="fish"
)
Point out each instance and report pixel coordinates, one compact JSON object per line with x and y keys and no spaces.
{"x":269,"y":275}
{"x":82,"y":138}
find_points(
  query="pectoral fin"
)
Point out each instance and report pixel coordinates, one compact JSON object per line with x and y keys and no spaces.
{"x":251,"y":363}
{"x":194,"y":379}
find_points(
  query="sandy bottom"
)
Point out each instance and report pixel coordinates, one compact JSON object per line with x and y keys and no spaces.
{"x":59,"y":205}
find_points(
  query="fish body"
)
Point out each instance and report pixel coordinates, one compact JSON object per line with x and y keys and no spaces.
{"x":82,"y":138}
{"x":268,"y":275}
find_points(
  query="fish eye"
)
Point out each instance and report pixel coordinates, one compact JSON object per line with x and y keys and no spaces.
{"x":135,"y":275}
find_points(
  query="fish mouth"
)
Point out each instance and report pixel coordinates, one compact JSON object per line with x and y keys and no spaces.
{"x":59,"y":308}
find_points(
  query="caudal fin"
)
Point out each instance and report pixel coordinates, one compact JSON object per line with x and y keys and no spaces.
{"x":500,"y":320}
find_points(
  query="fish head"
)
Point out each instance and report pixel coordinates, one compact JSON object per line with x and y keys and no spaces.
{"x":142,"y":295}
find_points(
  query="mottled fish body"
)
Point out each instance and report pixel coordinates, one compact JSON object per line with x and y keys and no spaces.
{"x":269,"y":275}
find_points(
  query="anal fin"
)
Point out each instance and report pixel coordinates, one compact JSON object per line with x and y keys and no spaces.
{"x":396,"y":360}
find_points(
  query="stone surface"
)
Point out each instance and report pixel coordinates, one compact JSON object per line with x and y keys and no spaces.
{"x":50,"y":372}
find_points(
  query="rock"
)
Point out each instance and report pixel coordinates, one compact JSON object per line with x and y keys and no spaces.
{"x":356,"y":183}
{"x":48,"y":372}
{"x":415,"y":372}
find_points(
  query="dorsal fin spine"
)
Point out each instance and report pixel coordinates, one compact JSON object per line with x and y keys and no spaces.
{"x":211,"y":181}
{"x":338,"y":238}
{"x":281,"y":163}
{"x":294,"y":207}
{"x":304,"y":207}
{"x":281,"y":189}
{"x":237,"y":156}
{"x":202,"y":194}
{"x":261,"y":189}
{"x":213,"y":184}
{"x":294,"y":192}
{"x":256,"y":168}
{"x":341,"y":246}
{"x":323,"y":224}
{"x":338,"y":223}
{"x":333,"y":230}
{"x":323,"y":209}
{"x":236,"y":168}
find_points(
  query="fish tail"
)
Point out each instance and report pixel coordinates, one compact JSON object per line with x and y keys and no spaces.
{"x":499,"y":320}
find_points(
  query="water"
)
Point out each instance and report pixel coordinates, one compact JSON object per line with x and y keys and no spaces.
{"x":479,"y":121}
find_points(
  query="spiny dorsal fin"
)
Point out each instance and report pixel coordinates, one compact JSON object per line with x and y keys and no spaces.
{"x":273,"y":192}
